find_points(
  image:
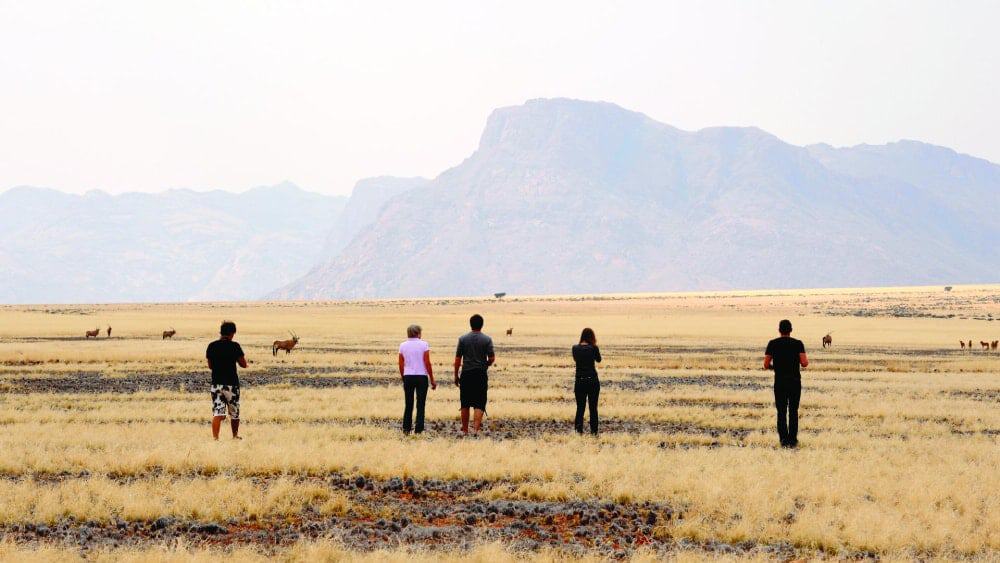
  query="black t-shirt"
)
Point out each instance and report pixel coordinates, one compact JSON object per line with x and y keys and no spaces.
{"x":224,"y":354}
{"x":784,"y":352}
{"x":585,"y":356}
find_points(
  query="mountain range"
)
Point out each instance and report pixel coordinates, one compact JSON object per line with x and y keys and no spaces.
{"x":178,"y":245}
{"x":561,"y":196}
{"x":567,"y":196}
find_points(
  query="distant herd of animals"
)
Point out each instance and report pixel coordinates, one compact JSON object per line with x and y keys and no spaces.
{"x":288,"y":345}
{"x":991,"y":346}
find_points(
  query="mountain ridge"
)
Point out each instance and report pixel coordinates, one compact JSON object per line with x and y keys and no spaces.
{"x":678,"y":210}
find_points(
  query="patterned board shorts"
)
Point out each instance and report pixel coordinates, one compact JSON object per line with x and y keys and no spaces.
{"x":226,"y":399}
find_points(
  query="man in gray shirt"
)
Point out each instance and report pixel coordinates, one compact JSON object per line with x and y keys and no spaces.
{"x":472,"y":359}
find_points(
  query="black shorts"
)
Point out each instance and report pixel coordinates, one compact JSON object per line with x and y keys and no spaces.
{"x":473,"y":388}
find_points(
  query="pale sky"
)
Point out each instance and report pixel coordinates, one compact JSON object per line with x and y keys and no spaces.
{"x":145,"y":96}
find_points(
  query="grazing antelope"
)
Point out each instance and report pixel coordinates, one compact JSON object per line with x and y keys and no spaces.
{"x":510,"y":331}
{"x":970,"y":344}
{"x":993,"y":345}
{"x":93,"y":333}
{"x":109,"y":331}
{"x":985,"y":345}
{"x":168,"y":333}
{"x":962,"y":342}
{"x":285,"y":345}
{"x":827,"y":340}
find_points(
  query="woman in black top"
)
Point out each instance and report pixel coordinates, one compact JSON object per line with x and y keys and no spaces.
{"x":587,"y":388}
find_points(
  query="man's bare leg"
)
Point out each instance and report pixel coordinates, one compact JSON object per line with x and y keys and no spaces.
{"x":216,"y":425}
{"x":477,"y":421}
{"x":465,"y":420}
{"x":234,"y":423}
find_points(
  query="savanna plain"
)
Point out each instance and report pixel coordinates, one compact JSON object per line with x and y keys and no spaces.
{"x":106,"y":451}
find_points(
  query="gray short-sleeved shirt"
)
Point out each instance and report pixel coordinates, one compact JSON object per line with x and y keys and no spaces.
{"x":474,"y":348}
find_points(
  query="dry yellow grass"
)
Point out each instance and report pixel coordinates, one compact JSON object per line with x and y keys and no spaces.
{"x":900,"y":428}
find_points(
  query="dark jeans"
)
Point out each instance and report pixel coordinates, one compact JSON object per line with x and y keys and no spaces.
{"x":419,"y":385}
{"x":786,"y":399}
{"x":586,"y":391}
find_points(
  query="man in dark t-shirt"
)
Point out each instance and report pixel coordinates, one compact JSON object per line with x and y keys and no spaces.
{"x":473,"y":357}
{"x":785,"y":355}
{"x":223,"y":356}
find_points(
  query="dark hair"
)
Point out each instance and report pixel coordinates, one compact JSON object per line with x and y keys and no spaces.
{"x":588,"y":336}
{"x":228,"y":328}
{"x":476,"y":322}
{"x":785,"y":326}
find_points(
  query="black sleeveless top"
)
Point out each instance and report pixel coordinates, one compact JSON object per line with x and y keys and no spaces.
{"x":586,"y":357}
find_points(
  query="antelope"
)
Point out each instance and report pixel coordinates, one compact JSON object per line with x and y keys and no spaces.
{"x":962,"y":342}
{"x":827,"y":340}
{"x":510,"y":331}
{"x":285,"y":345}
{"x":993,"y":345}
{"x":109,"y":331}
{"x":985,"y":345}
{"x":93,"y":333}
{"x":168,"y":333}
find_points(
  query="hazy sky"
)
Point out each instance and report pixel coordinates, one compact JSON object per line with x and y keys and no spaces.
{"x":149,"y":95}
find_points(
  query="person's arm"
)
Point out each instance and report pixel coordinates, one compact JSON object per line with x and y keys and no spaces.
{"x":767,"y":361}
{"x":458,"y":366}
{"x":430,"y":369}
{"x":209,"y":360}
{"x":803,"y":360}
{"x":597,"y":354}
{"x":769,"y":357}
{"x":490,"y":355}
{"x":402,"y":364}
{"x":241,"y":359}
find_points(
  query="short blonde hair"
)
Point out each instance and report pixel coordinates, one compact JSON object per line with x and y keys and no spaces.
{"x":413,"y":331}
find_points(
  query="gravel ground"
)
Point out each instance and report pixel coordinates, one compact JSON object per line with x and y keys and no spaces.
{"x":433,"y":514}
{"x":95,"y":382}
{"x":90,"y":381}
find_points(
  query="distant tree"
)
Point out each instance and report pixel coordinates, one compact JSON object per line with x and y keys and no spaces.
{"x":499,"y":295}
{"x":947,"y":288}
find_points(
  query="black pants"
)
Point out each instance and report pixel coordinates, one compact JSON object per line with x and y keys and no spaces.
{"x":413,"y":384}
{"x":586,"y":391}
{"x":786,"y":399}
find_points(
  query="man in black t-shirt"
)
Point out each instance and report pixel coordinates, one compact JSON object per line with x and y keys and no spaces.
{"x":223,"y":356}
{"x":785,"y":355}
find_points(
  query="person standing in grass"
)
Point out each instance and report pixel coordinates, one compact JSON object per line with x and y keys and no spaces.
{"x":223,"y":356}
{"x":473,"y":358}
{"x":416,"y":371}
{"x":785,"y":355}
{"x":586,"y":354}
